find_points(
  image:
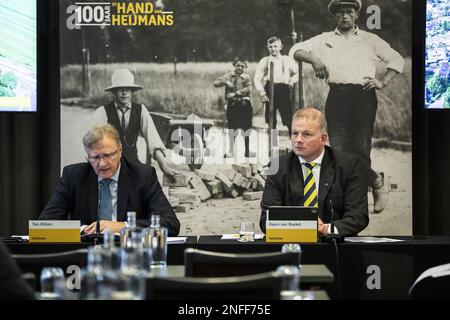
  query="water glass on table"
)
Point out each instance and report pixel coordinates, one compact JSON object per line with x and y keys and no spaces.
{"x":52,"y":283}
{"x":247,"y":232}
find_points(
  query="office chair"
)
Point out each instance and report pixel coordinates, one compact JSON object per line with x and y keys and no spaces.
{"x":199,"y":263}
{"x":34,"y":263}
{"x":433,"y":283}
{"x":264,"y":286}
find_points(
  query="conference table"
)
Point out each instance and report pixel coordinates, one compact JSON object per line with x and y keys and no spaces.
{"x":361,"y":270}
{"x":316,"y":275}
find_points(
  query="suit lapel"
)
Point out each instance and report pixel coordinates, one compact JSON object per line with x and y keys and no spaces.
{"x":122,"y":192}
{"x":327,"y":174}
{"x":296,"y":181}
{"x":92,"y":194}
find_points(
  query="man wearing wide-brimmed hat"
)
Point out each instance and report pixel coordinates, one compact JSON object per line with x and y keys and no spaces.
{"x":346,"y":59}
{"x":131,"y":119}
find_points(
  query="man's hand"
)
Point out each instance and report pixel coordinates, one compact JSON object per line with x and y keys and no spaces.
{"x":104,"y":224}
{"x":171,"y":173}
{"x":372,"y":83}
{"x":231,"y":95}
{"x":229,"y":84}
{"x":265,"y":98}
{"x":320,"y":69}
{"x":159,"y":157}
{"x":322,"y":227}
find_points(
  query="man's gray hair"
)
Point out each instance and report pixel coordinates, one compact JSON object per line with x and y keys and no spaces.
{"x":311,"y":114}
{"x":98,"y":132}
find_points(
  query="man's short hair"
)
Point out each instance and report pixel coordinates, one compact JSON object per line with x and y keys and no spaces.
{"x":240,"y":59}
{"x":311,"y":114}
{"x":272,"y":40}
{"x":98,"y":132}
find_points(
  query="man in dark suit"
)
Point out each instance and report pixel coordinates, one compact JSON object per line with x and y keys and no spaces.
{"x":347,"y":59}
{"x":330,"y":177}
{"x":123,"y":185}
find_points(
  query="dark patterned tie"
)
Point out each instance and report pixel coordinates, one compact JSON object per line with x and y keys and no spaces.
{"x":123,"y":110}
{"x":105,"y":200}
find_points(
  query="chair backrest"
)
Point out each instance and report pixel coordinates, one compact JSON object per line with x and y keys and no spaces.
{"x":36,"y":262}
{"x":433,"y":283}
{"x":264,"y":286}
{"x":199,"y":263}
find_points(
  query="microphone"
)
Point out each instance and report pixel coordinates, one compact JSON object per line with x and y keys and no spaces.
{"x":331,"y":237}
{"x":97,"y":225}
{"x":332,"y":218}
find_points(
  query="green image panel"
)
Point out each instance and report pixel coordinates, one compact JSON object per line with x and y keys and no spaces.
{"x":18,"y":24}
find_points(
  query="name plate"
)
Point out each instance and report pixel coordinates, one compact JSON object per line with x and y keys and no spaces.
{"x":291,"y":224}
{"x":43,"y":231}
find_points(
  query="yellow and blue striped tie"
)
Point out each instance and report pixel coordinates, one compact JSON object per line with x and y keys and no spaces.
{"x":310,"y":191}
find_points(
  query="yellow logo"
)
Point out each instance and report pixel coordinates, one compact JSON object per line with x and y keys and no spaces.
{"x":84,"y":14}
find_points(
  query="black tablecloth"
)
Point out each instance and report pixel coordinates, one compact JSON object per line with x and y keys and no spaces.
{"x":398,"y":264}
{"x":366,"y":270}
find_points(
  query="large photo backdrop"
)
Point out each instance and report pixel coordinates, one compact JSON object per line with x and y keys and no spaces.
{"x":176,"y":49}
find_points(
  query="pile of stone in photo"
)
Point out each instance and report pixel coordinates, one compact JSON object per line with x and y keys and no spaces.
{"x":187,"y":190}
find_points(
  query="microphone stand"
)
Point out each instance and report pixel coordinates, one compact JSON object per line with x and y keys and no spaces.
{"x":97,"y":224}
{"x":96,"y":237}
{"x":335,"y":239}
{"x":332,"y":237}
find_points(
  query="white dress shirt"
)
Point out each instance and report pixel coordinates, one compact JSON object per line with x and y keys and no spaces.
{"x":315,"y":170}
{"x":147,"y":127}
{"x":113,"y":188}
{"x":284,"y":71}
{"x":316,"y":174}
{"x":350,"y":59}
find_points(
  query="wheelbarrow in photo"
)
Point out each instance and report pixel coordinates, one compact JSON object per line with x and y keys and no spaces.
{"x":184,"y":135}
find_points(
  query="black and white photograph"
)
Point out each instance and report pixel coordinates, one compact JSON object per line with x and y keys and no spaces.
{"x":205,"y":92}
{"x":223,"y":150}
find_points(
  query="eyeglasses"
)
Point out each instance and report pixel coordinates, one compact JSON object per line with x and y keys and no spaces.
{"x":106,"y":156}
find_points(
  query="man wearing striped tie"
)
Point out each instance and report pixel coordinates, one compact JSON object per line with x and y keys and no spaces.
{"x":314,"y":175}
{"x":347,"y":59}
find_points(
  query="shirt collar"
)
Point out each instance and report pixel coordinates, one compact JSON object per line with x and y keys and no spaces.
{"x":128,"y":106}
{"x":355,"y":32}
{"x":318,"y":160}
{"x":234,"y":74}
{"x":277,"y":58}
{"x":115,"y":177}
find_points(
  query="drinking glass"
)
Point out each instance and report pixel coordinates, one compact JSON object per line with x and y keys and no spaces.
{"x":290,"y":284}
{"x":52,"y":283}
{"x":247,"y":232}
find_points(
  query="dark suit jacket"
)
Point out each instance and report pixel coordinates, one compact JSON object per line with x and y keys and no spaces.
{"x":12,"y":285}
{"x":341,"y":180}
{"x":76,"y":196}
